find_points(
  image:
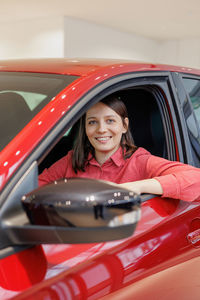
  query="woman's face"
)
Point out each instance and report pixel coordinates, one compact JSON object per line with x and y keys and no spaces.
{"x":104,"y":129}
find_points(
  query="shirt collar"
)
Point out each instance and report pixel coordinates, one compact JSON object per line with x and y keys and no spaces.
{"x":117,"y":158}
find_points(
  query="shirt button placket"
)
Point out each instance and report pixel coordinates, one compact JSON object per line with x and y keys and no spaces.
{"x":100,"y":173}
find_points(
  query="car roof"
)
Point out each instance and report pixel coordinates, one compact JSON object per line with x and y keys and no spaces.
{"x":83,"y":67}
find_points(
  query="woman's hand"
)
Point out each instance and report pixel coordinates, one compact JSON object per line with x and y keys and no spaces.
{"x":150,"y":186}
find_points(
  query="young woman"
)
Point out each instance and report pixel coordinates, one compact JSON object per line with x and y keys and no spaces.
{"x":104,"y":149}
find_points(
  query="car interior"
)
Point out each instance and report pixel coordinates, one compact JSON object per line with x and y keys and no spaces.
{"x":15,"y":119}
{"x":145,"y":123}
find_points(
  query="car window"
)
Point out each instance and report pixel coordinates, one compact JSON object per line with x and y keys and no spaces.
{"x":145,"y":121}
{"x":22,"y":96}
{"x":192,"y":86}
{"x":32,"y":99}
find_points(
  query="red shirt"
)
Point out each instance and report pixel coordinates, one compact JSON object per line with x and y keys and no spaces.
{"x":178,"y":180}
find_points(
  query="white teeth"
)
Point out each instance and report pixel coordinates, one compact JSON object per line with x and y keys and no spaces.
{"x":103,"y":138}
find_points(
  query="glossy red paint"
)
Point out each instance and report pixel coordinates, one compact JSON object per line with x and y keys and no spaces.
{"x":86,"y":66}
{"x":22,"y":270}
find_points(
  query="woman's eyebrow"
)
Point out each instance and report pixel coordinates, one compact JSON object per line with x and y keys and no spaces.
{"x":107,"y":116}
{"x":90,"y":118}
{"x":110,"y":116}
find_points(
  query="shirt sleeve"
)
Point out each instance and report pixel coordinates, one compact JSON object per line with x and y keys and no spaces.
{"x":56,"y":171}
{"x":178,"y":180}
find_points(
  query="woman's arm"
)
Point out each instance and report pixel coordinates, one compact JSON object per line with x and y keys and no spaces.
{"x":169,"y":179}
{"x":56,"y":171}
{"x":178,"y":180}
{"x":150,"y":186}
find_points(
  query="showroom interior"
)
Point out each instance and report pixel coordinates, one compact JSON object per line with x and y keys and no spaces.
{"x":99,"y":150}
{"x":151,"y":31}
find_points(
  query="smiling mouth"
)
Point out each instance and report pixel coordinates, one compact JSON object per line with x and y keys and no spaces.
{"x":103,"y":139}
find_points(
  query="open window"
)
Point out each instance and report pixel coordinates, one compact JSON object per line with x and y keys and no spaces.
{"x":145,"y":119}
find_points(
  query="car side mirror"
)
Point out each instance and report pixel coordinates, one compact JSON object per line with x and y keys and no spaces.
{"x":89,"y":210}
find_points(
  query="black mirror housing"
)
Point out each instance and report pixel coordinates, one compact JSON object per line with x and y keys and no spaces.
{"x":98,"y":209}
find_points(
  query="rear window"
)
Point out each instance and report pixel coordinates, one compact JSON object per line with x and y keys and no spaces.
{"x":22,"y":96}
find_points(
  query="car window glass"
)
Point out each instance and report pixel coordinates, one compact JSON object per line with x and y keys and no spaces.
{"x":192,"y":86}
{"x":31,"y":99}
{"x":22,"y":96}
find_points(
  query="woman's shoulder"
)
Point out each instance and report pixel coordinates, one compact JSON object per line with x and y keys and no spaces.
{"x":141,"y":152}
{"x":70,"y":153}
{"x":139,"y":159}
{"x":140,"y":156}
{"x":66,"y":158}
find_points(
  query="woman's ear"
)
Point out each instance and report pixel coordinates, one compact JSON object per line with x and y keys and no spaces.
{"x":125,"y":124}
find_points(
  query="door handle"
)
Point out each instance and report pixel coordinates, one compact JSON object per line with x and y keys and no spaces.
{"x":194,"y":237}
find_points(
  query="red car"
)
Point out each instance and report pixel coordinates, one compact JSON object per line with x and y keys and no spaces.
{"x":41,"y":102}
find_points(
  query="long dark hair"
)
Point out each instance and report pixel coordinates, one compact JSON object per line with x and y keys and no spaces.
{"x":82,"y":146}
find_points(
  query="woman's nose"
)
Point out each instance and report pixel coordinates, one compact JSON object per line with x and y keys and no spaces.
{"x":102,"y":127}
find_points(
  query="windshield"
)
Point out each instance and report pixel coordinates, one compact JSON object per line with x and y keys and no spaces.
{"x":22,"y":96}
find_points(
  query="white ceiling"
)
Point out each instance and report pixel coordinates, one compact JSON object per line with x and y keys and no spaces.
{"x":159,"y":19}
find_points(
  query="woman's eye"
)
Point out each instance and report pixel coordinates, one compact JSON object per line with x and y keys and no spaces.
{"x":92,"y":122}
{"x":109,"y":121}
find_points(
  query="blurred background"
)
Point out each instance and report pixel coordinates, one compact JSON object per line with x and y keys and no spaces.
{"x":145,"y":30}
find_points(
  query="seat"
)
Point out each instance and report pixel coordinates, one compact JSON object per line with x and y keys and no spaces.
{"x":145,"y":121}
{"x":14,"y":115}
